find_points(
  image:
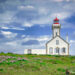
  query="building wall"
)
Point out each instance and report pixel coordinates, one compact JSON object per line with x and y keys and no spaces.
{"x":36,"y":51}
{"x":56,"y":30}
{"x":60,"y":46}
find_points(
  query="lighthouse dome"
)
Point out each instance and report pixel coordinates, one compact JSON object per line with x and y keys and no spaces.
{"x":56,"y":21}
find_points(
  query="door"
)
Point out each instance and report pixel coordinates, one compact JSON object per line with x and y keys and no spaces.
{"x":57,"y":50}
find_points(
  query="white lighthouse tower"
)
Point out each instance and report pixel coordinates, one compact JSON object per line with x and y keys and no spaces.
{"x":57,"y":45}
{"x":56,"y":27}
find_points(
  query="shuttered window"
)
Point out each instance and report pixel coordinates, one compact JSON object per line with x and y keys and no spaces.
{"x":57,"y":42}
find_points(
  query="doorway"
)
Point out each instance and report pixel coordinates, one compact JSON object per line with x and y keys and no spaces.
{"x":57,"y":50}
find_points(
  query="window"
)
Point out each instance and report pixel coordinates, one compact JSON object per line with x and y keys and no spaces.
{"x":29,"y":51}
{"x":56,"y":33}
{"x":63,"y":50}
{"x":57,"y":50}
{"x":57,"y":42}
{"x":51,"y":50}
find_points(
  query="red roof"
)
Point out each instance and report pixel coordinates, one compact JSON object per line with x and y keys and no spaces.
{"x":56,"y":23}
{"x":56,"y":19}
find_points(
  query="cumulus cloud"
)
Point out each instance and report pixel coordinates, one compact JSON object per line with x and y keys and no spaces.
{"x":61,"y":15}
{"x":42,"y":14}
{"x":31,"y":42}
{"x":42,"y":11}
{"x":11,"y":27}
{"x":72,"y":47}
{"x":62,"y":0}
{"x":58,"y":0}
{"x":6,"y":17}
{"x":6,"y":33}
{"x":27,"y":24}
{"x":66,"y":25}
{"x":40,"y":38}
{"x":17,"y":28}
{"x":9,"y":34}
{"x":44,"y":38}
{"x":28,"y":7}
{"x":72,"y":41}
{"x":25,"y":43}
{"x":12,"y":43}
{"x":5,"y":27}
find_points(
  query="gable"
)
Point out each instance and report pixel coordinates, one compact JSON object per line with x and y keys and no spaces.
{"x":57,"y":38}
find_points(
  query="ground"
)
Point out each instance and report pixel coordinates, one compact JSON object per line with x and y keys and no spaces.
{"x":15,"y":64}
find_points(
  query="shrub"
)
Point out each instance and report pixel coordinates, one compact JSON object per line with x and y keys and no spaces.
{"x":1,"y":69}
{"x":61,"y":69}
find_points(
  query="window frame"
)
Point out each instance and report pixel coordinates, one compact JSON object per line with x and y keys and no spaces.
{"x":57,"y":50}
{"x":64,"y":50}
{"x":57,"y":42}
{"x":29,"y":51}
{"x":56,"y":34}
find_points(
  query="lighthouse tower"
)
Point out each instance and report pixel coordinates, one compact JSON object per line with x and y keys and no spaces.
{"x":57,"y":45}
{"x":56,"y":27}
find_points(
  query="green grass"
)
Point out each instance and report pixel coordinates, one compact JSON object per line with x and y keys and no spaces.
{"x":15,"y":64}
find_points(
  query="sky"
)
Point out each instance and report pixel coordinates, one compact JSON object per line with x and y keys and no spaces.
{"x":26,"y":24}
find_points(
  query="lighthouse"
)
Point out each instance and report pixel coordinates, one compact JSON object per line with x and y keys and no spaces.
{"x":56,"y":27}
{"x":57,"y":45}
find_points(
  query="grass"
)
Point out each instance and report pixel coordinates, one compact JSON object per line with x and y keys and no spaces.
{"x":15,"y":64}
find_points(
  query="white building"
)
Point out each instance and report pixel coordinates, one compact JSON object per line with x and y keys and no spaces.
{"x":35,"y":51}
{"x":56,"y":46}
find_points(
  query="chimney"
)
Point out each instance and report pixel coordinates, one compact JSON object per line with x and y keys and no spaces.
{"x":67,"y":37}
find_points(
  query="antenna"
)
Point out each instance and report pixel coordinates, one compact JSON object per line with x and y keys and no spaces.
{"x":67,"y":37}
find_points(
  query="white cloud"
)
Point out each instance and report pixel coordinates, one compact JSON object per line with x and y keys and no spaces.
{"x":9,"y":34}
{"x":5,"y":27}
{"x":42,"y":21}
{"x":6,"y":17}
{"x":68,"y":0}
{"x":17,"y":44}
{"x":72,"y":41}
{"x":12,"y":43}
{"x":58,"y":0}
{"x":6,"y":33}
{"x":23,"y":36}
{"x":61,"y":15}
{"x":47,"y":20}
{"x":27,"y":24}
{"x":67,"y":25}
{"x":62,"y":0}
{"x":28,"y":7}
{"x":44,"y":38}
{"x":16,"y":28}
{"x":72,"y":47}
{"x":42,"y":42}
{"x":43,"y":10}
{"x":40,"y":38}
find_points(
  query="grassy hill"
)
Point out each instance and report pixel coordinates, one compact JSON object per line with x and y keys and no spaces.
{"x":15,"y":64}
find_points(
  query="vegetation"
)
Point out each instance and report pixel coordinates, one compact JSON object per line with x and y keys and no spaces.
{"x":15,"y":64}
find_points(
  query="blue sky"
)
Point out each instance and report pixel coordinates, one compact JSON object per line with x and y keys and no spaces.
{"x":27,"y":23}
